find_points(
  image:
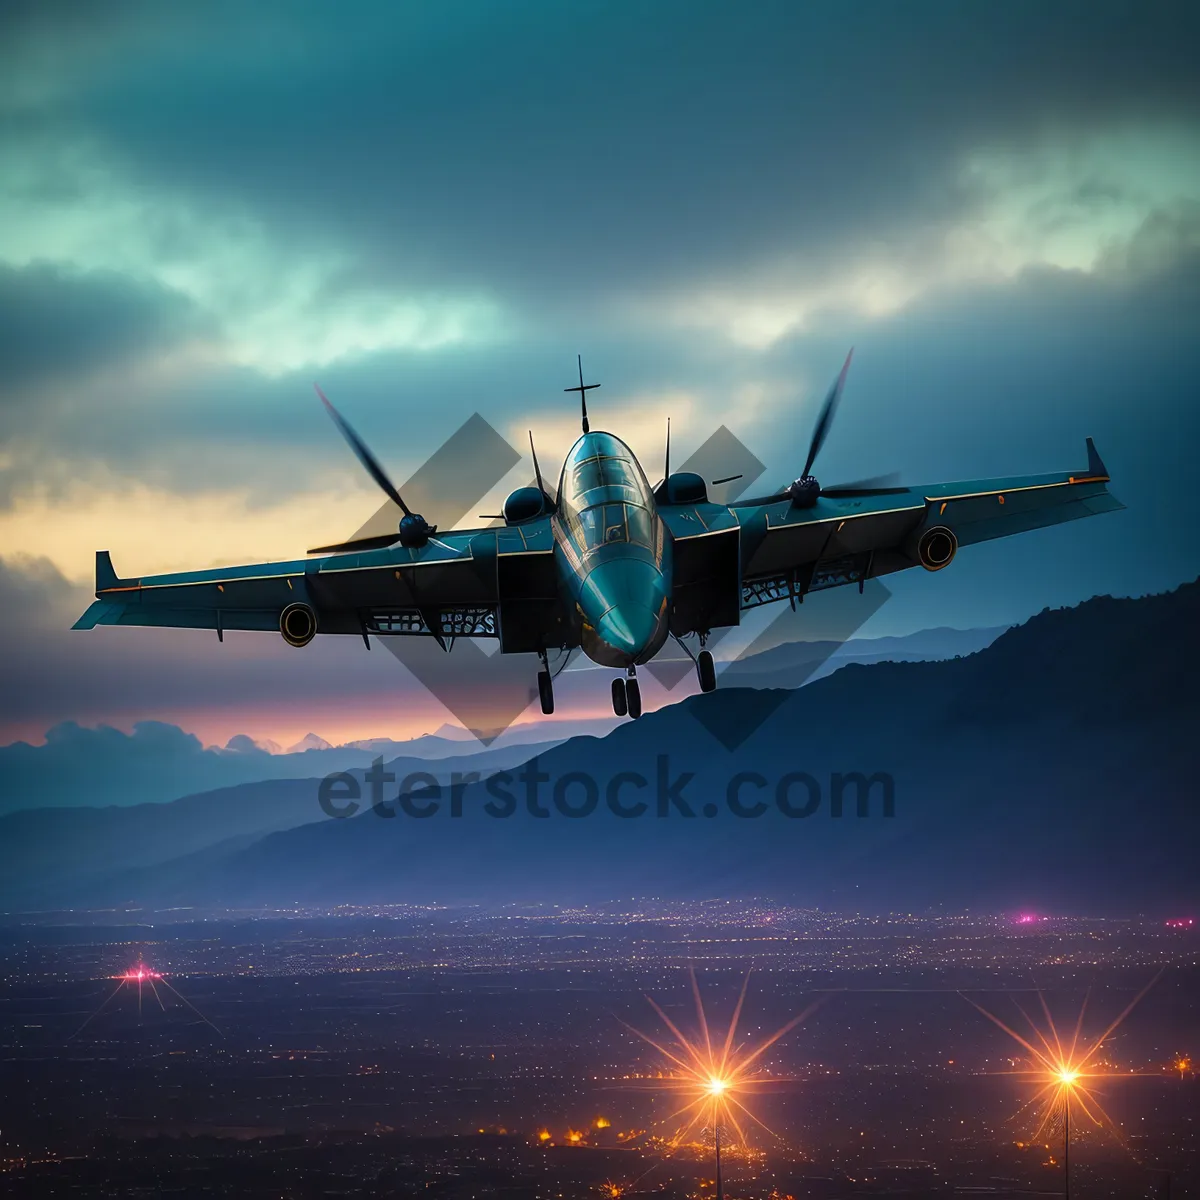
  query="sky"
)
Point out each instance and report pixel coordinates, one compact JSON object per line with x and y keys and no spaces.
{"x":431,"y":209}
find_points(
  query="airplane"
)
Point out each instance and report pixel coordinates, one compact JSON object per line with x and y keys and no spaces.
{"x":607,"y":563}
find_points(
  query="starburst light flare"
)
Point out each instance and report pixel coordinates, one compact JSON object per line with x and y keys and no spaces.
{"x":714,"y":1078}
{"x":1067,"y":1070}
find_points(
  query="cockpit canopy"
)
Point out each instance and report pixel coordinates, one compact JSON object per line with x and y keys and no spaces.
{"x":603,"y":495}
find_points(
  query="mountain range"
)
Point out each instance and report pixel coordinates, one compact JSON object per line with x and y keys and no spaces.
{"x":1053,"y":769}
{"x":158,"y":762}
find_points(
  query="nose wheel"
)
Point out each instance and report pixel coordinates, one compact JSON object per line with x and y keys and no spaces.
{"x":706,"y":670}
{"x":627,"y":697}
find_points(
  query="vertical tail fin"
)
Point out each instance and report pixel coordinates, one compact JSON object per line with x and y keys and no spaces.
{"x":106,"y":576}
{"x":1095,"y":462}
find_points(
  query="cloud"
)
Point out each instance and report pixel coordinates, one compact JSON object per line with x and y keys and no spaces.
{"x":477,"y":146}
{"x":271,"y":303}
{"x":150,"y":530}
{"x":48,"y":44}
{"x":33,"y":591}
{"x":1075,"y":203}
{"x":57,"y":325}
{"x":483,"y":150}
{"x":324,"y":189}
{"x":278,"y":190}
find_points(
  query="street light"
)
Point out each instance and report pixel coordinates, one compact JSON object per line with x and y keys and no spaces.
{"x":1067,"y":1079}
{"x":716,"y":1130}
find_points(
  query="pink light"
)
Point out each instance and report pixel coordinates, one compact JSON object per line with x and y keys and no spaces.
{"x":1180,"y":923}
{"x":1026,"y":919}
{"x":139,"y":974}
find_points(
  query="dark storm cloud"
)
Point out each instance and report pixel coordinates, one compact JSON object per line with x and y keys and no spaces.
{"x":53,"y":323}
{"x":33,"y":593}
{"x":32,"y":28}
{"x":553,"y":149}
{"x":552,"y":153}
{"x":59,"y":329}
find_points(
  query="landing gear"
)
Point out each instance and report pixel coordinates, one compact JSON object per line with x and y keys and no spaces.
{"x":705,"y":669}
{"x":627,"y":696}
{"x":546,"y":687}
{"x":633,"y":697}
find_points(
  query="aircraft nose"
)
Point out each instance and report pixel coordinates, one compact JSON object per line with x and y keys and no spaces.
{"x":625,"y":612}
{"x":628,"y":629}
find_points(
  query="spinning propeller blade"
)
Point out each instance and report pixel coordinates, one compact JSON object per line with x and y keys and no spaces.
{"x":805,"y":490}
{"x":378,"y":542}
{"x":825,"y":420}
{"x":876,"y":485}
{"x":365,"y":456}
{"x":414,"y":529}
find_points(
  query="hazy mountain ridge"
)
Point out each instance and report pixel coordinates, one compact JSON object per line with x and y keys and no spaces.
{"x":1027,"y":760}
{"x":796,"y":663}
{"x":46,"y":850}
{"x":159,"y":762}
{"x":1064,"y":748}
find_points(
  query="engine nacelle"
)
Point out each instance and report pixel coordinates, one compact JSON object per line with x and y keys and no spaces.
{"x":525,"y":504}
{"x":298,"y":624}
{"x":683,"y":487}
{"x":935,"y":548}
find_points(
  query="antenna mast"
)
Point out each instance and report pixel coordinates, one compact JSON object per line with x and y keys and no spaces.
{"x":537,"y":470}
{"x":583,"y":390}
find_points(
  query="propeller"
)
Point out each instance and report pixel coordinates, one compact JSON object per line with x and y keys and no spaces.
{"x":804,"y":492}
{"x":414,"y":529}
{"x":379,"y":542}
{"x":825,"y":420}
{"x":876,"y":485}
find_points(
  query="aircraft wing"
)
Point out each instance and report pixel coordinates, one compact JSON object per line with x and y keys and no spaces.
{"x":471,"y":583}
{"x":788,"y":550}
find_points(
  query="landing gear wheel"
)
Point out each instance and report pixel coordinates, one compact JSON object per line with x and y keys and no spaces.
{"x":706,"y":671}
{"x":620,"y":703}
{"x":546,"y":691}
{"x":633,"y":698}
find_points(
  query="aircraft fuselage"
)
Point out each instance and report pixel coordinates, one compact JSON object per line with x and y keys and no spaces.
{"x":612,"y":552}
